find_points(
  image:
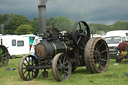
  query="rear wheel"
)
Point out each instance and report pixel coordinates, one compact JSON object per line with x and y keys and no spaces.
{"x":96,"y":55}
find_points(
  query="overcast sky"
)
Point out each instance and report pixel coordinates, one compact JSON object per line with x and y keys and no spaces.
{"x":91,"y":11}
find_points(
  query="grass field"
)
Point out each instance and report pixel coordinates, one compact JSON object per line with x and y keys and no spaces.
{"x":115,"y":75}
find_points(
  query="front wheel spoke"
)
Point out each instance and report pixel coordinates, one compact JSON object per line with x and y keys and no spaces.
{"x":61,"y":74}
{"x":60,"y":61}
{"x":66,"y":67}
{"x":64,"y":75}
{"x":24,"y":64}
{"x":65,"y":62}
{"x":64,"y":59}
{"x":33,"y":71}
{"x":27,"y":61}
{"x":32,"y":74}
{"x":27,"y":74}
{"x":24,"y":72}
{"x":66,"y":72}
{"x":32,"y":61}
{"x":24,"y":68}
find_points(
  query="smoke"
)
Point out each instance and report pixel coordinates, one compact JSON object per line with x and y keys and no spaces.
{"x":5,"y":23}
{"x":43,"y":2}
{"x":2,"y":28}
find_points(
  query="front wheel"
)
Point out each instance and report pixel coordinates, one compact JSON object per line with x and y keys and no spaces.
{"x":27,"y":69}
{"x":61,"y":67}
{"x":96,"y":55}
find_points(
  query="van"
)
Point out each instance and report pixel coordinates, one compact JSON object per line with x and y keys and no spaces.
{"x":113,"y":38}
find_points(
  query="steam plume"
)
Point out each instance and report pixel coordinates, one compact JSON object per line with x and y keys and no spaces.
{"x":43,"y":2}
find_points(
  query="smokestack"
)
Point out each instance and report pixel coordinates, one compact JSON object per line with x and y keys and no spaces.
{"x":42,"y":16}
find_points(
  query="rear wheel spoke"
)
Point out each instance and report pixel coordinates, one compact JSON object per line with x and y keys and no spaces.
{"x":100,"y":45}
{"x":103,"y":51}
{"x":101,"y":59}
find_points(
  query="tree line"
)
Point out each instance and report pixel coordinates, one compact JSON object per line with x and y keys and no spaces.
{"x":18,"y":24}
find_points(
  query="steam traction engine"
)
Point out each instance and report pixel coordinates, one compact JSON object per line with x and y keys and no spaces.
{"x":64,"y":52}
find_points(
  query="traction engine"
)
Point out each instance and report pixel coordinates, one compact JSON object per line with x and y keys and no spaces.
{"x":63,"y":52}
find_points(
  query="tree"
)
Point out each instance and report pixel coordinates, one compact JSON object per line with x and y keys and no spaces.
{"x":23,"y":29}
{"x":35,"y":25}
{"x":119,"y":25}
{"x":98,"y":28}
{"x":12,"y":21}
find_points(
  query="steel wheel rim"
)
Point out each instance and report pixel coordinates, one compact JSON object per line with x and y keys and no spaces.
{"x":80,"y":34}
{"x":99,"y":59}
{"x":26,"y":70}
{"x":61,"y":67}
{"x":96,"y":55}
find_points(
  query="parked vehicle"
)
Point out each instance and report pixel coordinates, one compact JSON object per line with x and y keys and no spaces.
{"x":113,"y":38}
{"x":31,"y":38}
{"x":15,"y":44}
{"x":37,"y":39}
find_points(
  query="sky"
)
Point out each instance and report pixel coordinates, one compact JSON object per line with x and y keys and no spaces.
{"x":91,"y":11}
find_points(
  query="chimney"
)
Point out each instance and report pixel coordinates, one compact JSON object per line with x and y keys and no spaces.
{"x":42,"y":17}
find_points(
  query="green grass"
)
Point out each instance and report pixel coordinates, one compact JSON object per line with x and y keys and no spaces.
{"x":115,"y":75}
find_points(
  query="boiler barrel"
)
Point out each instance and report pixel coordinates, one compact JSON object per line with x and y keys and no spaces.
{"x":50,"y":49}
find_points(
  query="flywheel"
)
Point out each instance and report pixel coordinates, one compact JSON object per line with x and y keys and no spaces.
{"x":80,"y":34}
